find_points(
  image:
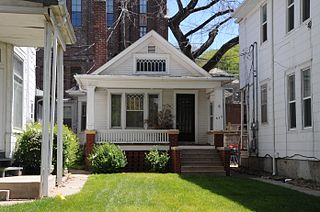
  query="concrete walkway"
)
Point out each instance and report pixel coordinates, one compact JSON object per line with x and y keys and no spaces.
{"x":290,"y":186}
{"x":71,"y":184}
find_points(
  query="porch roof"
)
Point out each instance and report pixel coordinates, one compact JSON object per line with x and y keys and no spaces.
{"x":22,"y":22}
{"x":154,"y":82}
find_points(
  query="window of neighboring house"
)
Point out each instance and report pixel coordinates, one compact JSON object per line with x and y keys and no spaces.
{"x":143,"y":6}
{"x":134,"y":110}
{"x":290,"y":15}
{"x":83,"y":116}
{"x":76,"y":13}
{"x":264,"y":103}
{"x":74,"y":71}
{"x":211,"y":115}
{"x":17,"y":93}
{"x":305,"y":9}
{"x":292,"y":102}
{"x":67,"y":116}
{"x":32,"y":111}
{"x":142,"y":31}
{"x":264,"y":23}
{"x":153,"y":110}
{"x":110,"y":14}
{"x":306,"y":98}
{"x":116,"y":110}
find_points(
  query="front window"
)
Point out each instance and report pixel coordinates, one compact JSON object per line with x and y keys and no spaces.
{"x":306,"y":98}
{"x":67,"y":116}
{"x":305,"y":9}
{"x":134,"y":110}
{"x":292,"y":101}
{"x":264,"y":104}
{"x":264,"y":25}
{"x":290,"y":15}
{"x":17,"y":93}
{"x":83,"y":116}
{"x":153,"y":110}
{"x":110,"y":16}
{"x":76,"y":13}
{"x":116,"y":110}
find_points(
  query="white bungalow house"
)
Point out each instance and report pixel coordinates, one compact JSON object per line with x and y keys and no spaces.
{"x":279,"y":77}
{"x":125,"y":94}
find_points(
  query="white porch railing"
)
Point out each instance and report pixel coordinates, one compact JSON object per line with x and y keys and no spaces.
{"x":132,"y":136}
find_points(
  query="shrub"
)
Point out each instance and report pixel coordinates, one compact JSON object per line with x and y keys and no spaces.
{"x":157,"y":161}
{"x":28,"y":149}
{"x":107,"y":158}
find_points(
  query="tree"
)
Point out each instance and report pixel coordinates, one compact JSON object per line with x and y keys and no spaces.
{"x":229,"y":61}
{"x":221,"y":15}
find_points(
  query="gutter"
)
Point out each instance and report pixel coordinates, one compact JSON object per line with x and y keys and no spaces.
{"x":273,"y":93}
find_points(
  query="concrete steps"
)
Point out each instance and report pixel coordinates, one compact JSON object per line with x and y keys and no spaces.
{"x":201,"y":161}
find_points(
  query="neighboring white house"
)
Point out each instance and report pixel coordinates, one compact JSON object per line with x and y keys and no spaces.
{"x":17,"y":93}
{"x":124,"y":96}
{"x":279,"y":76}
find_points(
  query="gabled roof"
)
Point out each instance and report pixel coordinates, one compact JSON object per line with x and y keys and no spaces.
{"x":159,"y":39}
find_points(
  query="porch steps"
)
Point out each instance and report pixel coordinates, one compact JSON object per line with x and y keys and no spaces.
{"x":201,"y":161}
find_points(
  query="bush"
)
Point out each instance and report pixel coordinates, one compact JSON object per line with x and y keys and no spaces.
{"x":157,"y":161}
{"x":107,"y":158}
{"x":28,"y":149}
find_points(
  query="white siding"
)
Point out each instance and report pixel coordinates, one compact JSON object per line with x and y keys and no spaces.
{"x":293,"y":51}
{"x":126,"y":65}
{"x":101,"y":112}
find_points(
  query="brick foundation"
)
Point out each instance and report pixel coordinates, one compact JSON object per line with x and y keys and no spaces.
{"x":90,"y":138}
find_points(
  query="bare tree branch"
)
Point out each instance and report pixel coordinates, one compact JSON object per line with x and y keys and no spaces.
{"x":218,"y":55}
{"x":213,"y":2}
{"x":179,"y":3}
{"x":212,"y":35}
{"x":208,"y":21}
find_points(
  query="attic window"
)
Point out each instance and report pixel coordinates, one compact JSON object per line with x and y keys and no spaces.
{"x":151,"y":49}
{"x":151,"y":65}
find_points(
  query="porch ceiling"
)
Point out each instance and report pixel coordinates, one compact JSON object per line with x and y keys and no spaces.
{"x":22,"y":29}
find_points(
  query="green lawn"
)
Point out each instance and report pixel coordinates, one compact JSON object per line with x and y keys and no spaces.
{"x":171,"y":192}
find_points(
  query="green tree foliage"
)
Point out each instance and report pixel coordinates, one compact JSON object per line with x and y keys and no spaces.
{"x":229,"y":62}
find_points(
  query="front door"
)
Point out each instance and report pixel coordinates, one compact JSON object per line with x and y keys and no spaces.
{"x":185,"y":117}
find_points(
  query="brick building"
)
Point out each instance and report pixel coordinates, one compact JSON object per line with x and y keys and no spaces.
{"x":103,"y":29}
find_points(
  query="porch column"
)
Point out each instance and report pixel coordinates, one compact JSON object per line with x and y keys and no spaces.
{"x":60,"y":95}
{"x":218,"y":112}
{"x":90,"y":107}
{"x":45,"y":153}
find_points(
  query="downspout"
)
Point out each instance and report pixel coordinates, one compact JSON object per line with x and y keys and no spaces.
{"x":255,"y":68}
{"x":273,"y":93}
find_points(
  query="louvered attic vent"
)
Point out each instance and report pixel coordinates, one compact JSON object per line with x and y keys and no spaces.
{"x":151,"y":49}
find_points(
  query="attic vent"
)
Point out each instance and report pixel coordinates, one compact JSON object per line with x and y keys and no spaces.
{"x":151,"y":49}
{"x":151,"y":65}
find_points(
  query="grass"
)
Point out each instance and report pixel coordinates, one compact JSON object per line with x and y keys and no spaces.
{"x":171,"y":192}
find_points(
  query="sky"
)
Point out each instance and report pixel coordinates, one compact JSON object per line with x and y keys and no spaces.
{"x":228,"y":31}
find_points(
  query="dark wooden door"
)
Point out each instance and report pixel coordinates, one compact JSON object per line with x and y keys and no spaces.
{"x":185,"y":117}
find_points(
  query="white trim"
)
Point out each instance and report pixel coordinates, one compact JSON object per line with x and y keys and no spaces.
{"x":196,"y":111}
